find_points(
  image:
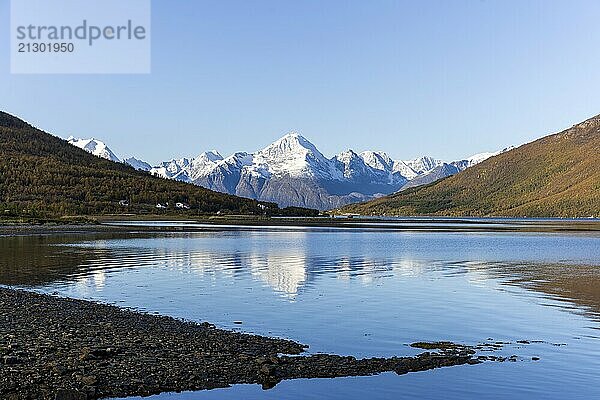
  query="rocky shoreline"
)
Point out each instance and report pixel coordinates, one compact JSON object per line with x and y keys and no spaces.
{"x":58,"y":348}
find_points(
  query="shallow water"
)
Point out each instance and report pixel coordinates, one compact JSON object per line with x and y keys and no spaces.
{"x":361,"y":292}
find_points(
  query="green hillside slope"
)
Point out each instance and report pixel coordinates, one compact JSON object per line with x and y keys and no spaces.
{"x":43,"y":175}
{"x":555,"y":176}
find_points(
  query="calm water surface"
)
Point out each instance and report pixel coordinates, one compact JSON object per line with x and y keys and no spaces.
{"x":360,"y":292}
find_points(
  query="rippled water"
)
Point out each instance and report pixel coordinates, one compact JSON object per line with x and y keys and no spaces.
{"x":362,"y":292}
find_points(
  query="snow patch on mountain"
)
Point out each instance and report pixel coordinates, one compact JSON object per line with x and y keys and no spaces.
{"x":94,"y":146}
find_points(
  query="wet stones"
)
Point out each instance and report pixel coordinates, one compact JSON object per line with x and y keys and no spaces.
{"x":11,"y":360}
{"x":69,"y":394}
{"x":96,"y":354}
{"x":63,"y":349}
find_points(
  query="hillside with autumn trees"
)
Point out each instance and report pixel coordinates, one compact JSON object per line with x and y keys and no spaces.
{"x":555,"y":176}
{"x":43,"y":175}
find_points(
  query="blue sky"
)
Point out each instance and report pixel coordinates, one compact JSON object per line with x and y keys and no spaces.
{"x":445,"y":78}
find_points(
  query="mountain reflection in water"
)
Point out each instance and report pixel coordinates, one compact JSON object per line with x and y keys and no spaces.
{"x":41,"y":260}
{"x":361,"y":292}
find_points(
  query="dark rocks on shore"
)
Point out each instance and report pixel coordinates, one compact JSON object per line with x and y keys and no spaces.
{"x":64,"y":349}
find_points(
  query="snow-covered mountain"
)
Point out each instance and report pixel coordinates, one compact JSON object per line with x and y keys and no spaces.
{"x":443,"y":170}
{"x":381,"y":161}
{"x":138,"y":164}
{"x":100,"y":149}
{"x":293,"y":172}
{"x":423,"y":164}
{"x":173,"y":169}
{"x":94,"y":146}
{"x":439,"y":169}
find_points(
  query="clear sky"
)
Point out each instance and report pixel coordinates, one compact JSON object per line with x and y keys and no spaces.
{"x":444,"y":78}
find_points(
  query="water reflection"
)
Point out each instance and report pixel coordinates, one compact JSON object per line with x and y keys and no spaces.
{"x":579,"y":284}
{"x":286,"y":262}
{"x":35,"y":260}
{"x":285,"y":273}
{"x":364,"y":293}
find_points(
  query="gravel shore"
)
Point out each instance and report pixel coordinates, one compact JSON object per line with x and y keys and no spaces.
{"x":58,"y":348}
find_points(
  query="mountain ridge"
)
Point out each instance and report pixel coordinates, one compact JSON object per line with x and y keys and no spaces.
{"x":286,"y":170}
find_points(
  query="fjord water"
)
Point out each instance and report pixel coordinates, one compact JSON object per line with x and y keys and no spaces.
{"x":361,"y":292}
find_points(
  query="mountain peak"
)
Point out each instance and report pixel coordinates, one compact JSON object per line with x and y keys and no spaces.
{"x":209,"y":156}
{"x":292,"y":140}
{"x":346,"y":156}
{"x":292,"y":134}
{"x":377,"y":159}
{"x":423,"y":164}
{"x":94,"y":146}
{"x":294,"y":155}
{"x":293,"y":143}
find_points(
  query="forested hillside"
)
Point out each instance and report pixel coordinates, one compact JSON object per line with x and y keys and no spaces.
{"x":43,"y":175}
